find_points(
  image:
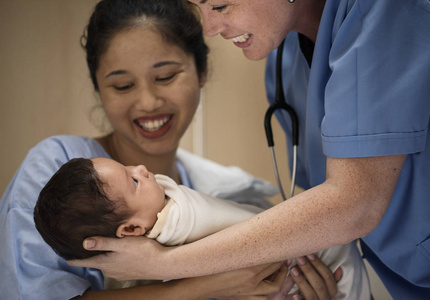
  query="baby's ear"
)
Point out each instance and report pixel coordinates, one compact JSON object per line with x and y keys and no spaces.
{"x":129,"y":230}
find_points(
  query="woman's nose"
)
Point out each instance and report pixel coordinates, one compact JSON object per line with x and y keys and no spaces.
{"x":147,"y":99}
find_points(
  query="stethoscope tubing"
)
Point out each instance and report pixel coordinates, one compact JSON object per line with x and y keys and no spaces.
{"x":280,"y":103}
{"x":278,"y":177}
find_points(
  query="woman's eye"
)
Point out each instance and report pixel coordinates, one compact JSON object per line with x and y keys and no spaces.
{"x":135,"y":182}
{"x":219,"y":8}
{"x":123,"y":87}
{"x":165,"y":78}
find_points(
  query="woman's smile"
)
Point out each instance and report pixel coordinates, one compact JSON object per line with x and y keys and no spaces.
{"x":155,"y":126}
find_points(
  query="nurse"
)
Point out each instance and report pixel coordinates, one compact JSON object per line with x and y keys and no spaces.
{"x":357,"y":74}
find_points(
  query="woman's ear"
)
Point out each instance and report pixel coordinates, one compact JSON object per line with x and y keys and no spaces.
{"x":129,"y":230}
{"x":203,"y":78}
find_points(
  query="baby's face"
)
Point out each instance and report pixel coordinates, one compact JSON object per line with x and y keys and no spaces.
{"x":135,"y":186}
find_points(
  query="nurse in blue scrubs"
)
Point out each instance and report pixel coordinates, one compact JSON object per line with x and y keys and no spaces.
{"x":357,"y":72}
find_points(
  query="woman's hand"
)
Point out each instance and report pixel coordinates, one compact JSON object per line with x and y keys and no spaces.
{"x":313,"y":278}
{"x":254,"y":283}
{"x":244,"y":284}
{"x":131,"y":258}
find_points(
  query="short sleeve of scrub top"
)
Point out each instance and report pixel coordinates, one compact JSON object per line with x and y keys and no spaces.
{"x":376,"y":99}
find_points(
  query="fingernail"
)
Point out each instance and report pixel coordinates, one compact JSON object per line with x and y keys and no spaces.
{"x":295,"y":272}
{"x":301,"y":261}
{"x":89,"y":243}
{"x":289,"y":262}
{"x":311,"y":256}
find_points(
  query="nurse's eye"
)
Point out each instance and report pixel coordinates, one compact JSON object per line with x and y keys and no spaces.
{"x":219,"y":8}
{"x":123,"y":88}
{"x":135,"y":181}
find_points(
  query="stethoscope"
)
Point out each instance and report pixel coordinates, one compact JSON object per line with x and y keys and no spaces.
{"x":280,"y":103}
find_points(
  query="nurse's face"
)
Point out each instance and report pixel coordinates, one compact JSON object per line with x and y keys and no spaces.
{"x":149,"y":90}
{"x":255,"y":26}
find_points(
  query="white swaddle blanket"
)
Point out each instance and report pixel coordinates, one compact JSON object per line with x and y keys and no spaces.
{"x":190,"y":215}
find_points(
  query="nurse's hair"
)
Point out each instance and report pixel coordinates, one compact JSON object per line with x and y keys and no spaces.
{"x":175,"y":20}
{"x":72,"y":206}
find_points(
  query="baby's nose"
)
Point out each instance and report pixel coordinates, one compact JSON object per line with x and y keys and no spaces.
{"x":142,"y":170}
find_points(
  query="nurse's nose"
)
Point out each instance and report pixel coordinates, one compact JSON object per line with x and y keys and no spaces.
{"x":148,"y":99}
{"x":212,"y":24}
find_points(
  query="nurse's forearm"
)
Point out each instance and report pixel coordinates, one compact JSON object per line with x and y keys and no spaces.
{"x":347,"y":206}
{"x":297,"y":227}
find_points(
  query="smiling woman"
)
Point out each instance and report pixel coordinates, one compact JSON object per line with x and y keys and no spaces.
{"x":145,"y":86}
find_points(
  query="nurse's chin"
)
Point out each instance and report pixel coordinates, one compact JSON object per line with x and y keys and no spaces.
{"x":255,"y":55}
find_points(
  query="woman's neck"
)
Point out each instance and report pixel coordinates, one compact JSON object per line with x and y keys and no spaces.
{"x":129,"y":155}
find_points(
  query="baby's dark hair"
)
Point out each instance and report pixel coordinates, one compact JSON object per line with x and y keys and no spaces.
{"x":173,"y":19}
{"x":72,"y":206}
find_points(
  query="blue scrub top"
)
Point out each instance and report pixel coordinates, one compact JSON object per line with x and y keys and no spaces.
{"x":368,"y":94}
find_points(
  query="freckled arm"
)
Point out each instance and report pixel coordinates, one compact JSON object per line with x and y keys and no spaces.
{"x":347,"y":206}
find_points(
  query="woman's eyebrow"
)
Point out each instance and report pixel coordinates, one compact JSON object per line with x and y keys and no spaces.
{"x":164,"y":63}
{"x":118,"y":72}
{"x":157,"y":65}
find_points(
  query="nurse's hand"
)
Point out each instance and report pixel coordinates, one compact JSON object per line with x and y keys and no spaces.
{"x":130,"y":258}
{"x":252,"y":283}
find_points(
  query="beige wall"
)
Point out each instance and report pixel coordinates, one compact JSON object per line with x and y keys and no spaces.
{"x":45,"y":90}
{"x":44,"y":86}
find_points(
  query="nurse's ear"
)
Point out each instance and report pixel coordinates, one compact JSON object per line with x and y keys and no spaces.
{"x":128,"y":229}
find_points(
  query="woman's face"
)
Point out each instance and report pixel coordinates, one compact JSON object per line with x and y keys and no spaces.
{"x":149,"y":90}
{"x":255,"y":26}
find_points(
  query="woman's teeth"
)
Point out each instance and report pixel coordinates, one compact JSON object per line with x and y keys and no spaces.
{"x":153,"y":125}
{"x":241,"y":39}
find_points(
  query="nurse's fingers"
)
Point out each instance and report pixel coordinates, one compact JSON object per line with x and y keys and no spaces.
{"x":126,"y":258}
{"x":99,"y":243}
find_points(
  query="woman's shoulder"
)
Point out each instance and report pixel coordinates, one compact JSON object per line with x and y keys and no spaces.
{"x":70,"y":144}
{"x":62,"y":148}
{"x":43,"y":160}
